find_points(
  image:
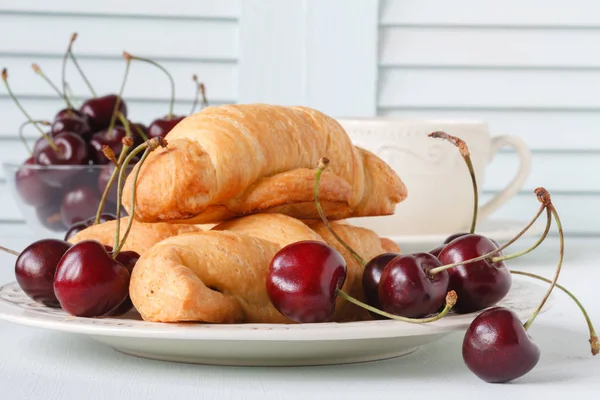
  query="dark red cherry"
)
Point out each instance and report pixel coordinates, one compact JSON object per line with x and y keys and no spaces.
{"x":99,"y":110}
{"x":407,"y":289}
{"x":303,"y":279}
{"x":436,"y":252}
{"x":49,"y":215}
{"x":78,"y":126}
{"x":136,"y":128}
{"x":128,"y":259}
{"x":79,"y":226}
{"x":31,"y":189}
{"x":371,"y":277}
{"x":89,"y":282}
{"x":35,"y":268}
{"x":497,"y":348}
{"x":79,"y":204}
{"x":72,"y":150}
{"x":478,"y":284}
{"x":112,"y":139}
{"x":161,"y":126}
{"x":70,"y":113}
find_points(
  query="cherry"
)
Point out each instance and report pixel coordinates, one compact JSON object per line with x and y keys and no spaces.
{"x":303,"y":280}
{"x":79,"y":204}
{"x":99,"y":110}
{"x":49,"y":215}
{"x":80,"y":226}
{"x":35,"y":268}
{"x":128,"y":259}
{"x":407,"y":289}
{"x":497,"y":347}
{"x":73,"y":124}
{"x":112,"y":139}
{"x":72,"y":150}
{"x":70,"y":113}
{"x":479,"y":284}
{"x":372,"y":275}
{"x":31,"y":189}
{"x":161,"y":126}
{"x":89,"y":282}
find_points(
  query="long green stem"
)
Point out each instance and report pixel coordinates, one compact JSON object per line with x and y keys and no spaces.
{"x":323,"y":163}
{"x":80,"y":70}
{"x":22,"y":135}
{"x":64,"y":69}
{"x":14,"y":253}
{"x":172,"y":102}
{"x":115,"y":112}
{"x":195,"y":103}
{"x":595,"y":345}
{"x":558,"y":268}
{"x":14,"y":98}
{"x":126,"y":146}
{"x":451,"y":298}
{"x":38,"y":70}
{"x":437,"y":270}
{"x":466,"y":155}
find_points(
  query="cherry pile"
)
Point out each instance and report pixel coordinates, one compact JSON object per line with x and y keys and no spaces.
{"x":466,"y":274}
{"x":67,"y":170}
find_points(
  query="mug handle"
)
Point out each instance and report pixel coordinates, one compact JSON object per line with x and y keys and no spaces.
{"x":516,"y":184}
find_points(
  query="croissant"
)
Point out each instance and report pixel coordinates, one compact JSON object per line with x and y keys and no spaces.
{"x":219,"y":276}
{"x":141,"y":237}
{"x":234,"y":160}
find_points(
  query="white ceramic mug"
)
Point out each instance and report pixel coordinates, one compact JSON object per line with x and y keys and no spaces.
{"x":440,"y":195}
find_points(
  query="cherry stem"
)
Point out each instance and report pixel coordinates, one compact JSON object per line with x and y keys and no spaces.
{"x":171,"y":104}
{"x":70,"y":94}
{"x":64,"y":70}
{"x":439,"y":269}
{"x":451,"y":298}
{"x":80,"y":70}
{"x":466,"y":155}
{"x":14,"y":98}
{"x":116,"y":112}
{"x":595,"y":344}
{"x":14,"y":253}
{"x":126,"y":146}
{"x":323,"y":163}
{"x":535,"y":246}
{"x":558,"y":267}
{"x":38,"y":70}
{"x":203,"y":93}
{"x":195,"y":103}
{"x":125,"y":124}
{"x":140,"y":132}
{"x":22,"y":127}
{"x":148,"y":147}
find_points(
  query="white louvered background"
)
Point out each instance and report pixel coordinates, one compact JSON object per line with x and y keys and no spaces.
{"x":185,"y":36}
{"x":527,"y":73}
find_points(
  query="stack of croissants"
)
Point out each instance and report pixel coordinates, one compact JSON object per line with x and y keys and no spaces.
{"x":235,"y":185}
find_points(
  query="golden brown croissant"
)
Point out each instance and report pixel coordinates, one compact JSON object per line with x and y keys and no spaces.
{"x":235,"y":160}
{"x":220,"y":276}
{"x":141,"y":237}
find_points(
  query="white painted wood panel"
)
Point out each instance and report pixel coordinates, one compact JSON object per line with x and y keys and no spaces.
{"x":572,"y":13}
{"x":116,"y":8}
{"x":109,"y":36}
{"x":468,"y":46}
{"x":541,"y":130}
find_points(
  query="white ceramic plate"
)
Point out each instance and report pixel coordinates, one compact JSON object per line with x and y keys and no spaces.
{"x":255,"y":344}
{"x":500,"y":230}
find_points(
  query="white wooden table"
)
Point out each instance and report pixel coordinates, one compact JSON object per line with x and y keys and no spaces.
{"x":38,"y":364}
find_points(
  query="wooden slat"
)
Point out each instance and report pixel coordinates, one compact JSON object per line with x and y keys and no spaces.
{"x":541,"y":130}
{"x":489,"y":47}
{"x":106,"y":77}
{"x":489,"y":88}
{"x":105,"y":36}
{"x":179,"y":8}
{"x":476,"y":12}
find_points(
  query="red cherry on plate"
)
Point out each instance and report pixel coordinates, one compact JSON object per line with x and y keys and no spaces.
{"x":497,"y":347}
{"x":89,"y":282}
{"x":161,"y":126}
{"x":128,"y":259}
{"x":371,"y":277}
{"x":31,"y":189}
{"x":303,"y":279}
{"x":35,"y":268}
{"x":99,"y":110}
{"x":479,"y":284}
{"x":407,"y":289}
{"x":79,"y":204}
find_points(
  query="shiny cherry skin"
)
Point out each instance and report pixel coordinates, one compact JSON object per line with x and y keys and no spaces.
{"x":70,"y":113}
{"x":371,"y":277}
{"x":112,"y":139}
{"x":79,"y":226}
{"x":31,"y":189}
{"x":303,"y":279}
{"x":49,"y":215}
{"x":407,"y":289}
{"x":35,"y":268}
{"x":128,"y":259}
{"x":436,"y":252}
{"x":76,"y":125}
{"x":89,"y":282}
{"x":99,"y":110}
{"x":161,"y":126}
{"x":72,"y":150}
{"x":79,"y":204}
{"x":478,"y":284}
{"x":497,"y":348}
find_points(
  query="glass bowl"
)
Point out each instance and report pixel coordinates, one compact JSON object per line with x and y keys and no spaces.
{"x":52,"y":198}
